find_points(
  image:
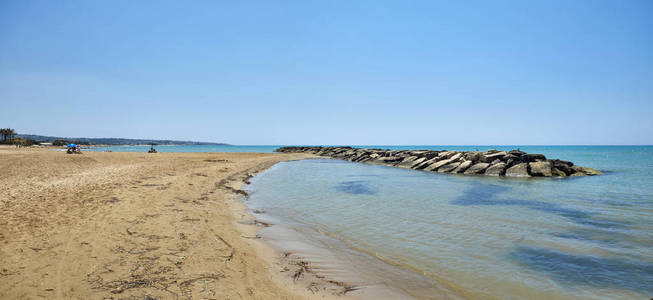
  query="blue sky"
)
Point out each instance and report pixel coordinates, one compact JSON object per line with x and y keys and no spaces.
{"x":331,"y":72}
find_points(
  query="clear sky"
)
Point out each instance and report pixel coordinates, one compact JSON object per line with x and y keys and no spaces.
{"x":330,"y":72}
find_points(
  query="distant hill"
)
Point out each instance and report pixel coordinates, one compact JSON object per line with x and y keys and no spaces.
{"x":113,"y":141}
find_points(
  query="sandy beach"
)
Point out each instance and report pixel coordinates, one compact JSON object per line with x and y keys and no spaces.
{"x":139,"y":226}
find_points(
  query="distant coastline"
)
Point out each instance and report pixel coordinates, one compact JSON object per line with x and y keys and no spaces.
{"x":115,"y":141}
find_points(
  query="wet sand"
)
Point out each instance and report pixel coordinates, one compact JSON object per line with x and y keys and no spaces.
{"x":140,"y":226}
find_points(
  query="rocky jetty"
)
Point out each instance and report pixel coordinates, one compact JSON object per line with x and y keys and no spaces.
{"x":513,"y":163}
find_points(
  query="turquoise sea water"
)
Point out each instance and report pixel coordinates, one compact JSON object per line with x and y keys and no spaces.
{"x":472,"y":236}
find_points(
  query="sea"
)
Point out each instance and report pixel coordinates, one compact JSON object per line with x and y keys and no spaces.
{"x":442,"y":236}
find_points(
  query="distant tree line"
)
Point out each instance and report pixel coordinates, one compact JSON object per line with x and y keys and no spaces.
{"x":62,"y":142}
{"x":9,"y":136}
{"x":113,"y":141}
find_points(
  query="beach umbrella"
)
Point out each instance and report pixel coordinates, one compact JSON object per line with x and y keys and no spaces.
{"x":72,"y":145}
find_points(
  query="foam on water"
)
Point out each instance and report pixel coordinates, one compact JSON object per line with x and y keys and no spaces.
{"x":472,"y":236}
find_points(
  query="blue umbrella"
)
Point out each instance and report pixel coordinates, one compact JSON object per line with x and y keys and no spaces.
{"x":72,"y":145}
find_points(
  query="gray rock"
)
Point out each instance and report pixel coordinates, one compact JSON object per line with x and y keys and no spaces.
{"x":473,"y":156}
{"x":492,"y":162}
{"x":493,"y":156}
{"x":446,"y":154}
{"x":417,"y":162}
{"x":443,"y":162}
{"x":448,"y":167}
{"x":509,"y":157}
{"x":557,"y":162}
{"x":563,"y":166}
{"x":516,"y":152}
{"x":557,"y":172}
{"x":408,"y":162}
{"x":518,"y":170}
{"x":418,"y":152}
{"x":533,"y":157}
{"x":588,"y":171}
{"x":425,"y":164}
{"x":540,"y":168}
{"x":477,"y":168}
{"x":512,"y":162}
{"x":496,"y":169}
{"x":463,"y":166}
{"x":431,"y":154}
{"x":390,"y":160}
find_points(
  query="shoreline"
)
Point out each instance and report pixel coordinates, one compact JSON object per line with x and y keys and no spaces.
{"x":326,"y":258}
{"x":291,"y":273}
{"x":137,"y":208}
{"x":300,"y":260}
{"x":290,"y":267}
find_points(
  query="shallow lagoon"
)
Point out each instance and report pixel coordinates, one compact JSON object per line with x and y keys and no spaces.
{"x":479,"y":237}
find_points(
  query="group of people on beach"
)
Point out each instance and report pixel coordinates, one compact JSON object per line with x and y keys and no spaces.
{"x":74,"y":149}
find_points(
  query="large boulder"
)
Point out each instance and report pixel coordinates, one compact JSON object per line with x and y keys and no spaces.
{"x":490,"y":157}
{"x":417,"y":152}
{"x":430,"y":154}
{"x":425,"y":163}
{"x":540,"y":168}
{"x":518,"y":170}
{"x":587,"y":171}
{"x":362,"y":157}
{"x":516,"y":152}
{"x":477,"y":168}
{"x":557,"y":172}
{"x":497,"y":169}
{"x":410,"y":161}
{"x":391,"y":160}
{"x":448,"y":167}
{"x":509,"y":157}
{"x":446,"y":154}
{"x":463,"y":166}
{"x":533,"y":157}
{"x":557,"y":162}
{"x":473,"y":156}
{"x":417,"y":162}
{"x":563,"y":166}
{"x":443,"y":162}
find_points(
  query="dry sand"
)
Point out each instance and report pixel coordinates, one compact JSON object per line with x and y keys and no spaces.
{"x":139,"y":226}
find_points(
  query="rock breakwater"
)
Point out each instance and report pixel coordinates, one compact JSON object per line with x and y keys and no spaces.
{"x":513,"y":163}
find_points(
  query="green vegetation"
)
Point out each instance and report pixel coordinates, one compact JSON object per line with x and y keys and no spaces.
{"x":62,"y":142}
{"x":57,"y":141}
{"x":7,"y":136}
